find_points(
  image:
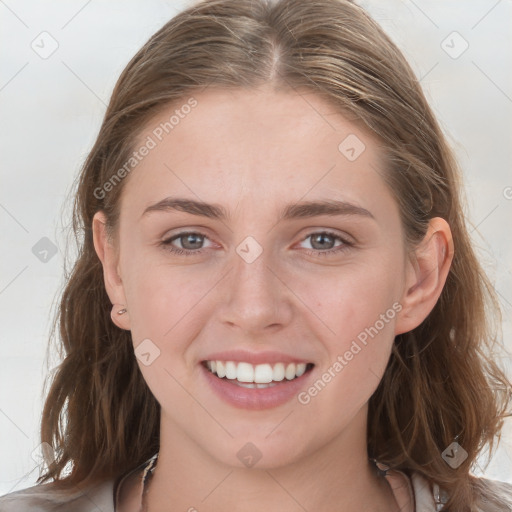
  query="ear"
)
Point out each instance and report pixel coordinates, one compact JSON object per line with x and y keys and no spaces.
{"x":108,"y":256}
{"x":426,"y":275}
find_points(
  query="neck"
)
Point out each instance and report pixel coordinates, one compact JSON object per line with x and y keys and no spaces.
{"x":336,"y":476}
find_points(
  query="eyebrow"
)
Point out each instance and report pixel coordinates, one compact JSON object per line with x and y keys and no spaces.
{"x":299,"y":210}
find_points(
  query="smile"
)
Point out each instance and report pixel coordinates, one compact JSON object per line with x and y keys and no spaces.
{"x":256,"y":380}
{"x":259,"y":375}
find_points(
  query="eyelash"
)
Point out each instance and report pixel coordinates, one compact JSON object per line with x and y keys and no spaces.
{"x":190,"y":252}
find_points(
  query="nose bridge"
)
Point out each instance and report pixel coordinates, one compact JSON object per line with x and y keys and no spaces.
{"x":256,"y":299}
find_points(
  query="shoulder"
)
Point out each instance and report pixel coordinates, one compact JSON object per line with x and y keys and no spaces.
{"x":491,"y":492}
{"x":491,"y":495}
{"x":46,"y":498}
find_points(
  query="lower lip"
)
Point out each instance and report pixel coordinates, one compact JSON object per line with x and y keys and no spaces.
{"x":254,"y":398}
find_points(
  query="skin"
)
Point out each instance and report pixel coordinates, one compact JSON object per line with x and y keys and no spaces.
{"x":253,"y":152}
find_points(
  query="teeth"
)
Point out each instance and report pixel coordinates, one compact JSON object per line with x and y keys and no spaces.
{"x":253,"y":385}
{"x":301,"y":368}
{"x":244,"y":372}
{"x":221,"y":370}
{"x":263,"y":373}
{"x":278,"y":372}
{"x":230,"y":370}
{"x":256,"y":374}
{"x":290,"y":371}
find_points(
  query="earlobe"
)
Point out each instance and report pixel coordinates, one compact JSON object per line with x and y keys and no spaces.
{"x":426,"y":275}
{"x":109,"y":259}
{"x":117,"y":310}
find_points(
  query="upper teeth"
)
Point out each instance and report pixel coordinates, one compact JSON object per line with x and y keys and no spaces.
{"x":260,"y":373}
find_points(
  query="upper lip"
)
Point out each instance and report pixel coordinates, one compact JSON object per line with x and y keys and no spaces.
{"x":261,"y":357}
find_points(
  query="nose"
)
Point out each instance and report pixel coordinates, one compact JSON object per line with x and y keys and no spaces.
{"x":253,"y":297}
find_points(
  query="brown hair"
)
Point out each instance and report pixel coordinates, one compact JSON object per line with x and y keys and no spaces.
{"x":441,"y":382}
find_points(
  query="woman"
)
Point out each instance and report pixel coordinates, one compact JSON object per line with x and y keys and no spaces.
{"x":276,"y":305}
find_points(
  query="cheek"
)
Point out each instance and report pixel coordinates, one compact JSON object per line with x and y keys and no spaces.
{"x":168,"y":306}
{"x":360,"y":307}
{"x":356,"y":362}
{"x":351,"y":298}
{"x":167,"y":303}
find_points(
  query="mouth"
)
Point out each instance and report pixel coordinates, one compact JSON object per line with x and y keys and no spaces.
{"x":257,"y":376}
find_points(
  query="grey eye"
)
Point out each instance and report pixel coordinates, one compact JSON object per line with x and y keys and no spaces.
{"x":322,"y":241}
{"x":191,"y":240}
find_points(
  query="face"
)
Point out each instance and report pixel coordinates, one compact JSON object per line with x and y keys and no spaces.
{"x":298,"y":262}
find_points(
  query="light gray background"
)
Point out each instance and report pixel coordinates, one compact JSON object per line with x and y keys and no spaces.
{"x":51,"y":110}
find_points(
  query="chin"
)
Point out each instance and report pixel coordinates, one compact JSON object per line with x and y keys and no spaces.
{"x":256,"y":452}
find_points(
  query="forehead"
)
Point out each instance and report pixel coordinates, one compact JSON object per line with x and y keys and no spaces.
{"x":225,"y":145}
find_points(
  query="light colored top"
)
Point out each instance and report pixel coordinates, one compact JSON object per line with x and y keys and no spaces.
{"x":413,"y":494}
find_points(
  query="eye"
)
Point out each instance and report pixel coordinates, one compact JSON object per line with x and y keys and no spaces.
{"x":324,"y":243}
{"x":191,"y":243}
